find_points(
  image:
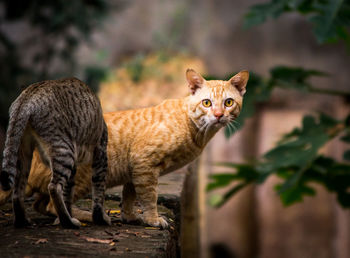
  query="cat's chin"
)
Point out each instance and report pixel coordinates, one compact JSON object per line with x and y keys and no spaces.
{"x":217,"y":125}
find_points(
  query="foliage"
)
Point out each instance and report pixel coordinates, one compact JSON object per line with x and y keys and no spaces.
{"x":296,"y":158}
{"x":330,"y":18}
{"x":47,"y":51}
{"x":260,"y":89}
{"x":135,"y":67}
{"x":94,"y":75}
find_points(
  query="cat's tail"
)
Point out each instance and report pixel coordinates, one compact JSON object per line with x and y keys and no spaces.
{"x":19,"y":116}
{"x":4,"y":196}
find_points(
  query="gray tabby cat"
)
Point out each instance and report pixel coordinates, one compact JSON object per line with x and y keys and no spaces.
{"x":63,"y":119}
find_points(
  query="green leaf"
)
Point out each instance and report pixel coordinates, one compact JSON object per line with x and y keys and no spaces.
{"x":347,"y":120}
{"x":322,"y":165}
{"x":294,"y":194}
{"x":346,"y":138}
{"x":325,"y":21}
{"x":301,"y":146}
{"x":330,"y":18}
{"x":346,"y":155}
{"x":215,"y":200}
{"x":293,"y":77}
{"x":261,"y":12}
{"x":291,"y":181}
{"x":218,"y":201}
{"x":258,"y":92}
{"x":220,"y":180}
{"x":328,"y":120}
{"x":245,"y":172}
{"x":296,"y":161}
{"x":343,"y":198}
{"x":135,"y":67}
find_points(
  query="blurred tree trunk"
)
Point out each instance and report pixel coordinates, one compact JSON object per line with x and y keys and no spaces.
{"x":193,"y":211}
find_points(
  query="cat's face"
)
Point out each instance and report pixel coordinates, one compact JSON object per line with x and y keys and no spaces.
{"x":214,"y":104}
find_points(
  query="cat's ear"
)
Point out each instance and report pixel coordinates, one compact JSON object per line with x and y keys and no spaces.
{"x":195,"y":80}
{"x":239,"y":81}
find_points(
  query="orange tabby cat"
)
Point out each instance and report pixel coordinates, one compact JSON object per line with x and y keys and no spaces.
{"x":144,"y":144}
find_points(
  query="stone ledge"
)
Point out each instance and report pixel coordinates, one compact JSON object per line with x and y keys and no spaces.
{"x":44,"y":239}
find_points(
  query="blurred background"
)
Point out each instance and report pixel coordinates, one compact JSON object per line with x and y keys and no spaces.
{"x":135,"y":54}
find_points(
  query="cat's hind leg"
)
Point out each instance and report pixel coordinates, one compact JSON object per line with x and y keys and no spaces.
{"x":44,"y":205}
{"x":99,"y":173}
{"x":68,"y":190}
{"x":62,"y":165}
{"x":23,"y":166}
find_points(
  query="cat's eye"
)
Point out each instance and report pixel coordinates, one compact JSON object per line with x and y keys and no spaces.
{"x":228,"y":102}
{"x":206,"y":102}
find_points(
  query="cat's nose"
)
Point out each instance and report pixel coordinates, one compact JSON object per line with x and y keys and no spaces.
{"x":218,"y":114}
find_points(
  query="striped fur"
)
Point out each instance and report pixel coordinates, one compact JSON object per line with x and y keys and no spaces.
{"x":144,"y":144}
{"x":63,"y":120}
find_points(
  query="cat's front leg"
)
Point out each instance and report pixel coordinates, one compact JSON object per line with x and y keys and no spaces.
{"x":128,"y":211}
{"x":145,"y":183}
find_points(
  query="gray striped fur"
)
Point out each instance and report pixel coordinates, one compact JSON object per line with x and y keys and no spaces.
{"x":63,"y":119}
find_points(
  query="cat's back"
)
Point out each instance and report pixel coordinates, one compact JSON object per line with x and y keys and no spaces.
{"x":169,"y":114}
{"x":152,"y":126}
{"x":68,"y":96}
{"x":65,"y":106}
{"x":165,"y":125}
{"x":64,"y":92}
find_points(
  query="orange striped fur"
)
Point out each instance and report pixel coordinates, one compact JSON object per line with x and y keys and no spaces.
{"x":144,"y":144}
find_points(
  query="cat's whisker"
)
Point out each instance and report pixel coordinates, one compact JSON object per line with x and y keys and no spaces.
{"x":231,"y":128}
{"x":235,"y":122}
{"x":232,"y":125}
{"x":203,"y":133}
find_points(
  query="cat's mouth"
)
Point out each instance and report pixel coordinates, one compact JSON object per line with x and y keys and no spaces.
{"x":219,"y":123}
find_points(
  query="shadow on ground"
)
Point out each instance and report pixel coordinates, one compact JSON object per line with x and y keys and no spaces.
{"x":44,"y":239}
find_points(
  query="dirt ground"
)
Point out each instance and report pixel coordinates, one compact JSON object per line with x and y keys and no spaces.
{"x":43,"y":239}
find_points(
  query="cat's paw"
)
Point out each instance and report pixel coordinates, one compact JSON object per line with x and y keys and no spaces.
{"x":81,"y":215}
{"x":75,"y":223}
{"x":159,"y":222}
{"x":102,"y":219}
{"x":71,"y":223}
{"x":56,"y":222}
{"x":99,"y":216}
{"x":130,"y":218}
{"x":21,"y":222}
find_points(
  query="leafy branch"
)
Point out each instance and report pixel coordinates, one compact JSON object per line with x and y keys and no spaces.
{"x":295,"y":159}
{"x":330,"y":18}
{"x":57,"y":28}
{"x":284,"y":77}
